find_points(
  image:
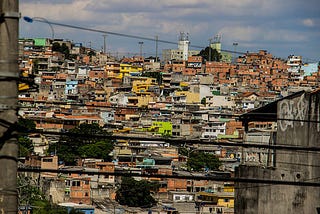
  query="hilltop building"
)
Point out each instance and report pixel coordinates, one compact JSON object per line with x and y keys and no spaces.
{"x":180,"y":54}
{"x":216,"y":44}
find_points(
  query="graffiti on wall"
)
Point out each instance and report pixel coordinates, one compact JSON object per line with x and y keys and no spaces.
{"x":291,"y":111}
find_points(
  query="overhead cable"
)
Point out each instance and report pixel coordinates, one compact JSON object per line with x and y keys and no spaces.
{"x":191,"y":177}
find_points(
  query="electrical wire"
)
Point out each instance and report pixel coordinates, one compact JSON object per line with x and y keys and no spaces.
{"x":268,"y":185}
{"x":170,"y":110}
{"x":124,"y":35}
{"x":192,"y":177}
{"x":178,"y":141}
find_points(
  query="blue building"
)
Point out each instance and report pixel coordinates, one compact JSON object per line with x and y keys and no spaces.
{"x":86,"y":209}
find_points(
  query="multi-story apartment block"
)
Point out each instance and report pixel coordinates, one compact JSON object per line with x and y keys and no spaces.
{"x":180,"y":54}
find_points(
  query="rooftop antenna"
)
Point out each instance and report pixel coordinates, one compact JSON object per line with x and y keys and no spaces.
{"x":217,"y":38}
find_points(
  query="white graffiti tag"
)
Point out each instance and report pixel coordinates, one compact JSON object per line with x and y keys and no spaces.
{"x":302,"y":106}
{"x":291,"y":111}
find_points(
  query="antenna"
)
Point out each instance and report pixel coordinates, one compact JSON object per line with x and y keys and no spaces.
{"x":217,"y":38}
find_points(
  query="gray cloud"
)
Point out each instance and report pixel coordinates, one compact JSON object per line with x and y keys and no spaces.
{"x":292,"y":25}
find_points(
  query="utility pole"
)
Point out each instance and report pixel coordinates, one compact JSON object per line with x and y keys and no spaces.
{"x":140,"y":43}
{"x":104,"y":44}
{"x":235,"y":44}
{"x":210,"y":42}
{"x":9,"y":73}
{"x":156,"y":48}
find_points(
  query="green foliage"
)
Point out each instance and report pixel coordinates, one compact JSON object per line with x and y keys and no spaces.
{"x":35,"y":67}
{"x":203,"y":101}
{"x":135,"y":193}
{"x":62,"y":49}
{"x":91,"y":53}
{"x":56,"y":46}
{"x":47,"y":208}
{"x":100,"y":149}
{"x":28,"y":191}
{"x":183,"y":151}
{"x":74,"y":211}
{"x":89,"y":133}
{"x":26,"y":124}
{"x":25,"y":146}
{"x":211,"y":53}
{"x":85,"y":140}
{"x":200,"y":160}
{"x":30,"y":195}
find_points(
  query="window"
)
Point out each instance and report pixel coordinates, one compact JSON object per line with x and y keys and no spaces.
{"x":226,"y":200}
{"x":76,"y":183}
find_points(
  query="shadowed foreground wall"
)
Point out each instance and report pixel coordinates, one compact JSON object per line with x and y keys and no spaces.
{"x":299,"y":126}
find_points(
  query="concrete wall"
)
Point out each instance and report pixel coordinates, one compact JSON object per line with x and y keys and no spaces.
{"x":296,"y":129}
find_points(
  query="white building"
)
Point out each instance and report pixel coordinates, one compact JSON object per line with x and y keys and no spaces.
{"x":212,"y":129}
{"x":182,"y":53}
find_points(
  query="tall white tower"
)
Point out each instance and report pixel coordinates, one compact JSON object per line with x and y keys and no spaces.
{"x":183,"y":45}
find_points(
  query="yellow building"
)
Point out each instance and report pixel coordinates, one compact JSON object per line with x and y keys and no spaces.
{"x":112,"y":70}
{"x":140,"y":85}
{"x":126,"y":69}
{"x":222,"y":201}
{"x":140,"y":101}
{"x":226,"y":198}
{"x":190,"y":96}
{"x":136,"y":69}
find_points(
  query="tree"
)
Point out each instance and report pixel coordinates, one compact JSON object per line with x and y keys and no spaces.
{"x":30,"y":195}
{"x":65,"y":50}
{"x":85,"y":140}
{"x":56,"y":47}
{"x":25,"y":144}
{"x":47,"y":208}
{"x":26,"y":124}
{"x":198,"y":161}
{"x":211,"y":53}
{"x":100,"y":149}
{"x":183,"y":151}
{"x":135,"y":193}
{"x":203,"y":101}
{"x":62,"y":49}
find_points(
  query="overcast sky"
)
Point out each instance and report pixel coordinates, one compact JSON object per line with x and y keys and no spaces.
{"x":282,"y":27}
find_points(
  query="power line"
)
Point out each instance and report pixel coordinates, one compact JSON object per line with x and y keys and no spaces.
{"x":267,"y":185}
{"x":171,"y":110}
{"x":121,"y":34}
{"x":180,"y":141}
{"x":191,"y":177}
